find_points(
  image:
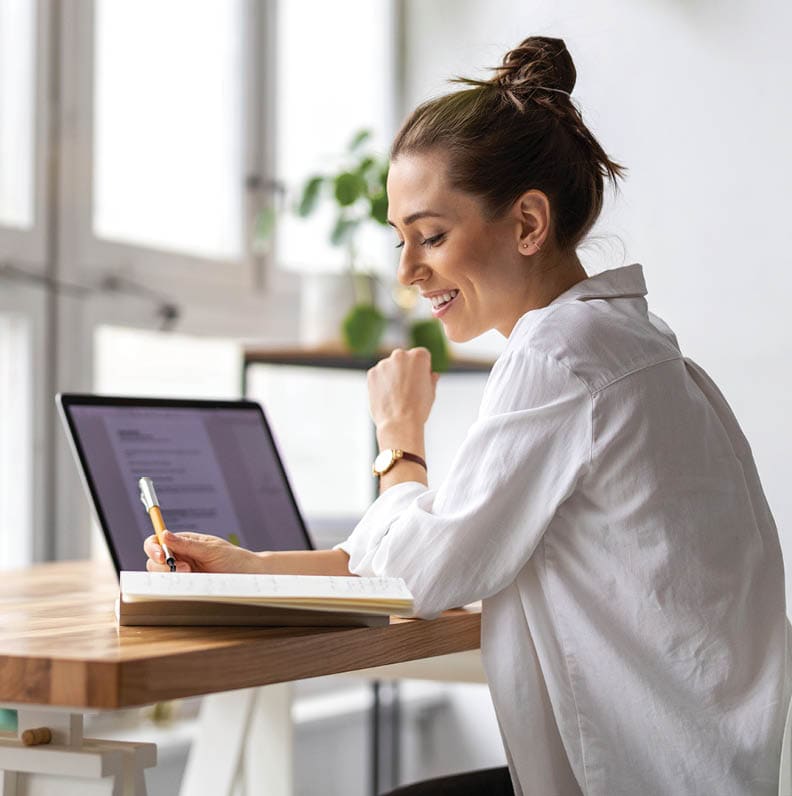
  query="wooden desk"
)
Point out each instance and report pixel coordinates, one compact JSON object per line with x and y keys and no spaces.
{"x":60,"y":647}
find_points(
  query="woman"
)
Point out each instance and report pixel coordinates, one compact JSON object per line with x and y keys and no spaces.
{"x":605,"y":505}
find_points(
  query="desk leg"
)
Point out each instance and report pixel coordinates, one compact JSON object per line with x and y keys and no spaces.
{"x":269,"y":751}
{"x":70,"y":765}
{"x":243,"y":744}
{"x":8,"y":783}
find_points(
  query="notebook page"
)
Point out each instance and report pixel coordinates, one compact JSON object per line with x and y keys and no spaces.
{"x":219,"y":585}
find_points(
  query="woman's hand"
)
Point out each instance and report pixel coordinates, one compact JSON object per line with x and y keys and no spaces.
{"x":200,"y":552}
{"x":402,"y":389}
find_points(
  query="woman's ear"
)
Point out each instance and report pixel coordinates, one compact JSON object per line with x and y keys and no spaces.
{"x":532,"y":213}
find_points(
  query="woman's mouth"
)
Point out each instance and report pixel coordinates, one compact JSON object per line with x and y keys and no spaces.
{"x":442,"y":303}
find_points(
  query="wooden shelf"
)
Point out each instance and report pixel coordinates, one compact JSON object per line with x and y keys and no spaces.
{"x":335,"y":356}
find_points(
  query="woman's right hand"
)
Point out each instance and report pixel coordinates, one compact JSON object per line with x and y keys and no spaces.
{"x":402,"y":390}
{"x":200,"y":552}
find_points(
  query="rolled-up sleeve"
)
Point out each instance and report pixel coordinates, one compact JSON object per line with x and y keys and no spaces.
{"x":519,"y":461}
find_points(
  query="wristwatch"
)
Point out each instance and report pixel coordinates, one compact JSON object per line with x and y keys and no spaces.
{"x":388,"y":457}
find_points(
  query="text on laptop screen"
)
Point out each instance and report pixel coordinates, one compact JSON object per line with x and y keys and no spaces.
{"x":215,"y":471}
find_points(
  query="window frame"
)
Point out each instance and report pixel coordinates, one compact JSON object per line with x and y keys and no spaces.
{"x":25,"y":302}
{"x":94,"y":257}
{"x":27,"y":247}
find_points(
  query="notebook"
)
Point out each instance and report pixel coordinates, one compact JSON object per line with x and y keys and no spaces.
{"x":201,"y":598}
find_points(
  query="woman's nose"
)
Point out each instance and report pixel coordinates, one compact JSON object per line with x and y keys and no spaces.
{"x":410,"y":269}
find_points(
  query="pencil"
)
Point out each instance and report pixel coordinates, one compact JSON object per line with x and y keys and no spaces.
{"x":148,"y":497}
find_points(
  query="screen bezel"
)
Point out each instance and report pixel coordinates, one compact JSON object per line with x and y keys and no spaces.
{"x":65,"y":402}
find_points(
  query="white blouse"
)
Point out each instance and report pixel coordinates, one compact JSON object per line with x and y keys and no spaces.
{"x":606,"y":507}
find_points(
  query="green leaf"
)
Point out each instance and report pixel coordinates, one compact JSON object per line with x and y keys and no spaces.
{"x":309,"y":197}
{"x":360,"y":137}
{"x":429,"y":334}
{"x":363,"y":328}
{"x":349,"y":186}
{"x":343,"y":230}
{"x":365,"y":164}
{"x":379,"y":208}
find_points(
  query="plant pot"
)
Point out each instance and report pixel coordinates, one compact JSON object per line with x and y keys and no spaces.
{"x":325,"y":300}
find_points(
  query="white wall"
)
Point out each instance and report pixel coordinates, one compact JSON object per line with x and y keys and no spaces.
{"x":693,"y":96}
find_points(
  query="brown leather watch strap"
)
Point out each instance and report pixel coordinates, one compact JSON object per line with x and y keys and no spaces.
{"x":388,"y":458}
{"x":413,"y":457}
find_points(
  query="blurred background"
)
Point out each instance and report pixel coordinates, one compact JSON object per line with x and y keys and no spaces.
{"x":157,"y":234}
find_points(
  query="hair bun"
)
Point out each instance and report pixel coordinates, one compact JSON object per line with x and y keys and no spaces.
{"x":539,"y":61}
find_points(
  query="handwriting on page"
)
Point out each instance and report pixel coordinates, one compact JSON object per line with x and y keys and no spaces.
{"x":234,"y":585}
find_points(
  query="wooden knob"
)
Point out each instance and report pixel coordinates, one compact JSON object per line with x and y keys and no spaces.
{"x":36,"y":737}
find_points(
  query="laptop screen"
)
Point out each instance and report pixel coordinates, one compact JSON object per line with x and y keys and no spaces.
{"x":214,"y":465}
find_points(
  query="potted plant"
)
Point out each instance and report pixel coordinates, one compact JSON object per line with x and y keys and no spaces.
{"x":357,"y":191}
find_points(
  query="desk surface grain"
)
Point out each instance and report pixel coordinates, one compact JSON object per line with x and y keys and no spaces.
{"x":60,"y":645}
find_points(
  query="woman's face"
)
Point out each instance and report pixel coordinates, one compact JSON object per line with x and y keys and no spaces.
{"x":450,"y":249}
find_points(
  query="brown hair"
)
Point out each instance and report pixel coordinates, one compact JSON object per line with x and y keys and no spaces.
{"x":517,"y":131}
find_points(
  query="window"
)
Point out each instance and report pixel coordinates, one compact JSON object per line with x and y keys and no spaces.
{"x":165,"y":112}
{"x":163,"y":364}
{"x":16,"y":448}
{"x":17,"y":102}
{"x":168,"y":127}
{"x":320,"y":419}
{"x":335,"y":76}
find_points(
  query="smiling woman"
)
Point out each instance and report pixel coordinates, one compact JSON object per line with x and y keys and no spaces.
{"x":605,"y":506}
{"x":476,"y":201}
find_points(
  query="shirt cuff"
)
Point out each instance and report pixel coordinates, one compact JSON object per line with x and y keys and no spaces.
{"x":375,"y":523}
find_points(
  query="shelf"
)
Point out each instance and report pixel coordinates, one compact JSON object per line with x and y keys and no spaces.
{"x":335,"y":356}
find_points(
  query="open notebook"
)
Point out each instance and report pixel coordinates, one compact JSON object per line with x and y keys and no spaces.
{"x":201,"y":598}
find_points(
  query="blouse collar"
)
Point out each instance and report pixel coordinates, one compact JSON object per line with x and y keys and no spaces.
{"x":625,"y":282}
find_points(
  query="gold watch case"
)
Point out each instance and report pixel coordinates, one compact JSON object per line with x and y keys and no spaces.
{"x":385,"y":460}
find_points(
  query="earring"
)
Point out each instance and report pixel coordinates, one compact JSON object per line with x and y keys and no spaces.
{"x":526,"y":245}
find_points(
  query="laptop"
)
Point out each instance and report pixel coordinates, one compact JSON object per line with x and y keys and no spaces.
{"x":215,"y":467}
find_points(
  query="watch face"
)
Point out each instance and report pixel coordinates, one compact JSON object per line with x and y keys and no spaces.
{"x":384,"y":460}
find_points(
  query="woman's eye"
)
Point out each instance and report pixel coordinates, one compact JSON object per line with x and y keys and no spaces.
{"x":428,"y":242}
{"x":433,"y":241}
